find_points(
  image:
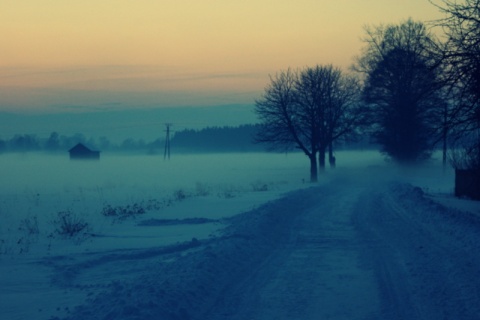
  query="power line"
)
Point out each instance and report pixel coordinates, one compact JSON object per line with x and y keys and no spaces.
{"x":167,"y":142}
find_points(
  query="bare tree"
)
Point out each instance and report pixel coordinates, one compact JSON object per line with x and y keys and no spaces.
{"x":462,"y":58}
{"x":462,"y":53}
{"x":308,"y":109}
{"x":467,"y":155}
{"x":284,"y":124}
{"x":332,"y":101}
{"x":347,"y":116}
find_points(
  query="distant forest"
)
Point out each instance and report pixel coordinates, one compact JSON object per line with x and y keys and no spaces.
{"x":210,"y":139}
{"x":214,"y":139}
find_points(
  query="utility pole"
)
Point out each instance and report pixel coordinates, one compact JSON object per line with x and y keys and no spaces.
{"x":167,"y":142}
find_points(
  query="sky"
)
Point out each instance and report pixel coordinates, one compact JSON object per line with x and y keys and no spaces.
{"x":74,"y":56}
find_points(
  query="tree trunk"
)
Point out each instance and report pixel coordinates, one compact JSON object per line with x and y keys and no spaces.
{"x":331,"y":157}
{"x":444,"y":138}
{"x":313,"y":168}
{"x":321,"y":158}
{"x":444,"y":155}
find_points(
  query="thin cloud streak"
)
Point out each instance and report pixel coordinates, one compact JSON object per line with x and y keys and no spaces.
{"x":129,"y":86}
{"x":174,"y":52}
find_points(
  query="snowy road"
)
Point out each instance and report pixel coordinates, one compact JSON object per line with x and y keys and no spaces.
{"x":316,"y":274}
{"x":352,"y":248}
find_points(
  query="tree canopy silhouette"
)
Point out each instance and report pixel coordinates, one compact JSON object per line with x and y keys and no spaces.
{"x":402,"y":87}
{"x":308,"y":109}
{"x":462,"y":56}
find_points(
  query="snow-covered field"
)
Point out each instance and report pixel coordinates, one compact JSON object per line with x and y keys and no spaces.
{"x":227,"y":236}
{"x":107,"y":194}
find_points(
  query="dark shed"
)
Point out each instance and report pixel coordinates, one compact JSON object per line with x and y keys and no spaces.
{"x":82,"y":152}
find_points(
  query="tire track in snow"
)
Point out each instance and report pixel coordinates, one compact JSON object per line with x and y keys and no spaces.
{"x":424,"y":257}
{"x":350,"y":249}
{"x":316,"y":274}
{"x":189,"y":286}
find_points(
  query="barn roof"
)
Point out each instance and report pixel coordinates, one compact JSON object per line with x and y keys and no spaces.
{"x":79,"y":148}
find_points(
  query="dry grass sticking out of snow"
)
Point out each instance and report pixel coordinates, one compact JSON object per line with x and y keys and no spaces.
{"x":144,"y":218}
{"x":50,"y":200}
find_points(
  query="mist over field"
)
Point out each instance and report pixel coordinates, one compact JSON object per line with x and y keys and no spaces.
{"x":39,"y":186}
{"x":43,"y":172}
{"x":129,"y":178}
{"x":240,"y":160}
{"x":142,"y":236}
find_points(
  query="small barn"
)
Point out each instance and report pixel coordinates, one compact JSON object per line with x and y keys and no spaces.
{"x":81,"y":152}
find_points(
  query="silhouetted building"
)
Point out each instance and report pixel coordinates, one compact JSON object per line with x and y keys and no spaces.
{"x":82,"y":152}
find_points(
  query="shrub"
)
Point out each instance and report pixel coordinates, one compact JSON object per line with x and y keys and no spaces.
{"x":30,"y":232}
{"x":154,"y":204}
{"x":179,"y":195}
{"x":123,"y":212}
{"x":29,"y":226}
{"x":109,"y":211}
{"x":201,"y":189}
{"x":466,"y":156}
{"x":228,"y":192}
{"x":258,"y":186}
{"x":69,"y":224}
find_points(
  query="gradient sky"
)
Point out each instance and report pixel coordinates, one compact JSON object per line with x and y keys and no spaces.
{"x":59,"y":55}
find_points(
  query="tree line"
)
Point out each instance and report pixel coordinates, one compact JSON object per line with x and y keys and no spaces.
{"x":243,"y":138}
{"x":62,"y":143}
{"x":217,"y":139}
{"x":210,"y":139}
{"x":407,"y":89}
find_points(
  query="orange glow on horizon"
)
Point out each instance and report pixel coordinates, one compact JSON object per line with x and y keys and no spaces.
{"x":145,"y":45}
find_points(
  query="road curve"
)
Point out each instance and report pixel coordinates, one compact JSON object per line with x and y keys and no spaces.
{"x":366,"y":249}
{"x":355,"y":247}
